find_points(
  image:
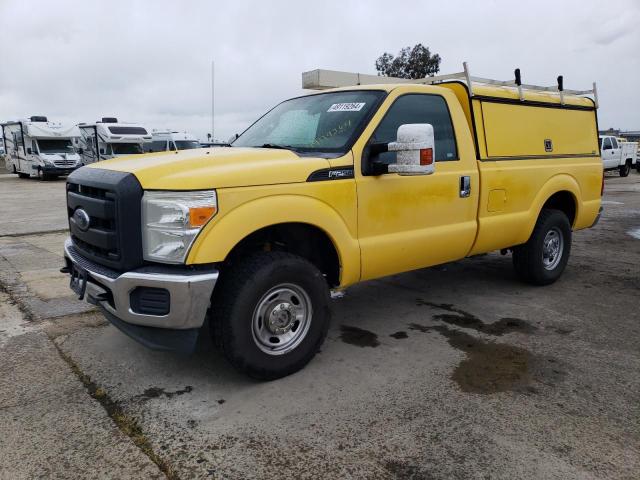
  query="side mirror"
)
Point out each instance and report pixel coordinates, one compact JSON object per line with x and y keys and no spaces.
{"x":102,"y":151}
{"x":416,"y":150}
{"x":81,"y":150}
{"x":29,"y":151}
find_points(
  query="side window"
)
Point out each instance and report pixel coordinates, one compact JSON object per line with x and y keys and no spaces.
{"x":34,"y":147}
{"x":419,"y":108}
{"x":606,"y":145}
{"x":614,"y":142}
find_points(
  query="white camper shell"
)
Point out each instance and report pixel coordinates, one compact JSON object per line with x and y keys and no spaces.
{"x":167,"y":140}
{"x":109,"y":138}
{"x":39,"y":148}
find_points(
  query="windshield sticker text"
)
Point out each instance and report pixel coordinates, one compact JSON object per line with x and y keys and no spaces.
{"x":331,"y":133}
{"x":346,"y":107}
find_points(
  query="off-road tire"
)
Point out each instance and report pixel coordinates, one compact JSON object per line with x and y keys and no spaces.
{"x":528,"y":258}
{"x":625,"y":169}
{"x":235,"y":298}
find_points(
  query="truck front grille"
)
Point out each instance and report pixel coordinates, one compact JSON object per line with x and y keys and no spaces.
{"x":112,"y":202}
{"x":64,"y":163}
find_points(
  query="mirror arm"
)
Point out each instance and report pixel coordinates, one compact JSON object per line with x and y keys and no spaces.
{"x":371,"y":166}
{"x":376,"y":149}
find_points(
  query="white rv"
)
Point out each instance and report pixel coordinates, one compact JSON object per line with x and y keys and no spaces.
{"x":108,"y":138}
{"x":40,"y":148}
{"x":167,"y":140}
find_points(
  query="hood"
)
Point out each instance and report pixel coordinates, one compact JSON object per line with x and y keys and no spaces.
{"x":223,"y":167}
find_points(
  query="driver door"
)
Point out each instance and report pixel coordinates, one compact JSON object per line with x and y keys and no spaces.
{"x":411,"y":222}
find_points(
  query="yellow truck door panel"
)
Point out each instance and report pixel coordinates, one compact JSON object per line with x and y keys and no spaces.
{"x":410,"y":222}
{"x":405,"y":223}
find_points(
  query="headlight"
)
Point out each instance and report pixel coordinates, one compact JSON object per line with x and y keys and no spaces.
{"x":172,"y":220}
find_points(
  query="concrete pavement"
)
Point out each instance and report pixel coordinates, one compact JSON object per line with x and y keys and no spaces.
{"x":453,"y":372}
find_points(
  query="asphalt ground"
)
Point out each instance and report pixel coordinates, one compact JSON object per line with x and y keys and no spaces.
{"x":457,"y":371}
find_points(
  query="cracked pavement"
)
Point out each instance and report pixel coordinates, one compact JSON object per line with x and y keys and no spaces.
{"x":457,"y":371}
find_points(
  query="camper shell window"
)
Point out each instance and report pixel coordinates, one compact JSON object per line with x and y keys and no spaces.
{"x":127,"y":130}
{"x":186,"y":144}
{"x":156,"y":146}
{"x":126,"y":148}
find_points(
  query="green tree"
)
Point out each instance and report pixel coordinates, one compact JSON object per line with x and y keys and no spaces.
{"x":416,"y":62}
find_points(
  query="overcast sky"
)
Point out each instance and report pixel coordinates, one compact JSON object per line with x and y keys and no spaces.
{"x":150,"y":61}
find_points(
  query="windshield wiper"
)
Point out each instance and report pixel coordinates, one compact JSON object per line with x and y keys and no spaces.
{"x":273,"y":145}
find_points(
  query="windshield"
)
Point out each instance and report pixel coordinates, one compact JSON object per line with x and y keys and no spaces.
{"x":157,"y":146}
{"x":126,"y":148}
{"x":327,"y":122}
{"x":55,"y":146}
{"x":187,"y":144}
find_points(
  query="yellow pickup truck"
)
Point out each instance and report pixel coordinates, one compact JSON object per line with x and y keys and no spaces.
{"x":324,"y":191}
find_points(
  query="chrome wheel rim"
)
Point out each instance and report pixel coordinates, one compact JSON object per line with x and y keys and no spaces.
{"x":281,"y":319}
{"x":552,"y":248}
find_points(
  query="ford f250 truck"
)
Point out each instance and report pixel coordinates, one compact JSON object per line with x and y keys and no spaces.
{"x":324,"y":191}
{"x":618,"y":154}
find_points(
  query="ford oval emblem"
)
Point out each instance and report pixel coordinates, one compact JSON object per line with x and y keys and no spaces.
{"x":82,"y":219}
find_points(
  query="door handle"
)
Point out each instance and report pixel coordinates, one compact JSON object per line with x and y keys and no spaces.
{"x":465,"y":186}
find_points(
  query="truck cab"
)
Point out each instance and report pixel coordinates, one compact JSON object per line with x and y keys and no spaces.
{"x":40,"y":148}
{"x":618,"y":154}
{"x":109,"y":138}
{"x":366,"y":177}
{"x":171,"y":141}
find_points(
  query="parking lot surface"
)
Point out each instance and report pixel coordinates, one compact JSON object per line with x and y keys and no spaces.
{"x":457,"y":371}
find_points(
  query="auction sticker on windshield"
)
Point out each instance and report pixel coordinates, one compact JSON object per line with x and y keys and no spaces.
{"x":346,"y":107}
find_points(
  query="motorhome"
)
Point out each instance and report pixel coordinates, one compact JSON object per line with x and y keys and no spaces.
{"x":108,"y":138}
{"x":167,"y":140}
{"x":39,"y":148}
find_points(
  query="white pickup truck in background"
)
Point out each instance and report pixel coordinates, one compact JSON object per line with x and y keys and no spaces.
{"x":618,"y":154}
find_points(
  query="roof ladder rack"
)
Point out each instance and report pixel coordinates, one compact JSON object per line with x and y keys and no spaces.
{"x":324,"y":79}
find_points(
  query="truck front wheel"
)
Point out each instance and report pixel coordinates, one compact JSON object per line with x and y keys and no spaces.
{"x":543,"y":258}
{"x":270,"y":314}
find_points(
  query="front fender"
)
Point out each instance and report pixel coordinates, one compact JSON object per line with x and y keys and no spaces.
{"x":219,"y":237}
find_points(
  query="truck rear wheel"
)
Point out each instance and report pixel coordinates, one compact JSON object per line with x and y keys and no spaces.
{"x":544,"y":257}
{"x":270,"y":314}
{"x":625,"y":169}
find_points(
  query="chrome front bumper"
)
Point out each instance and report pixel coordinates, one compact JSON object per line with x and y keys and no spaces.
{"x":189,"y":292}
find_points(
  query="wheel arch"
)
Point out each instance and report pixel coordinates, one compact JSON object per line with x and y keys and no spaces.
{"x":283,"y":218}
{"x":561,"y":192}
